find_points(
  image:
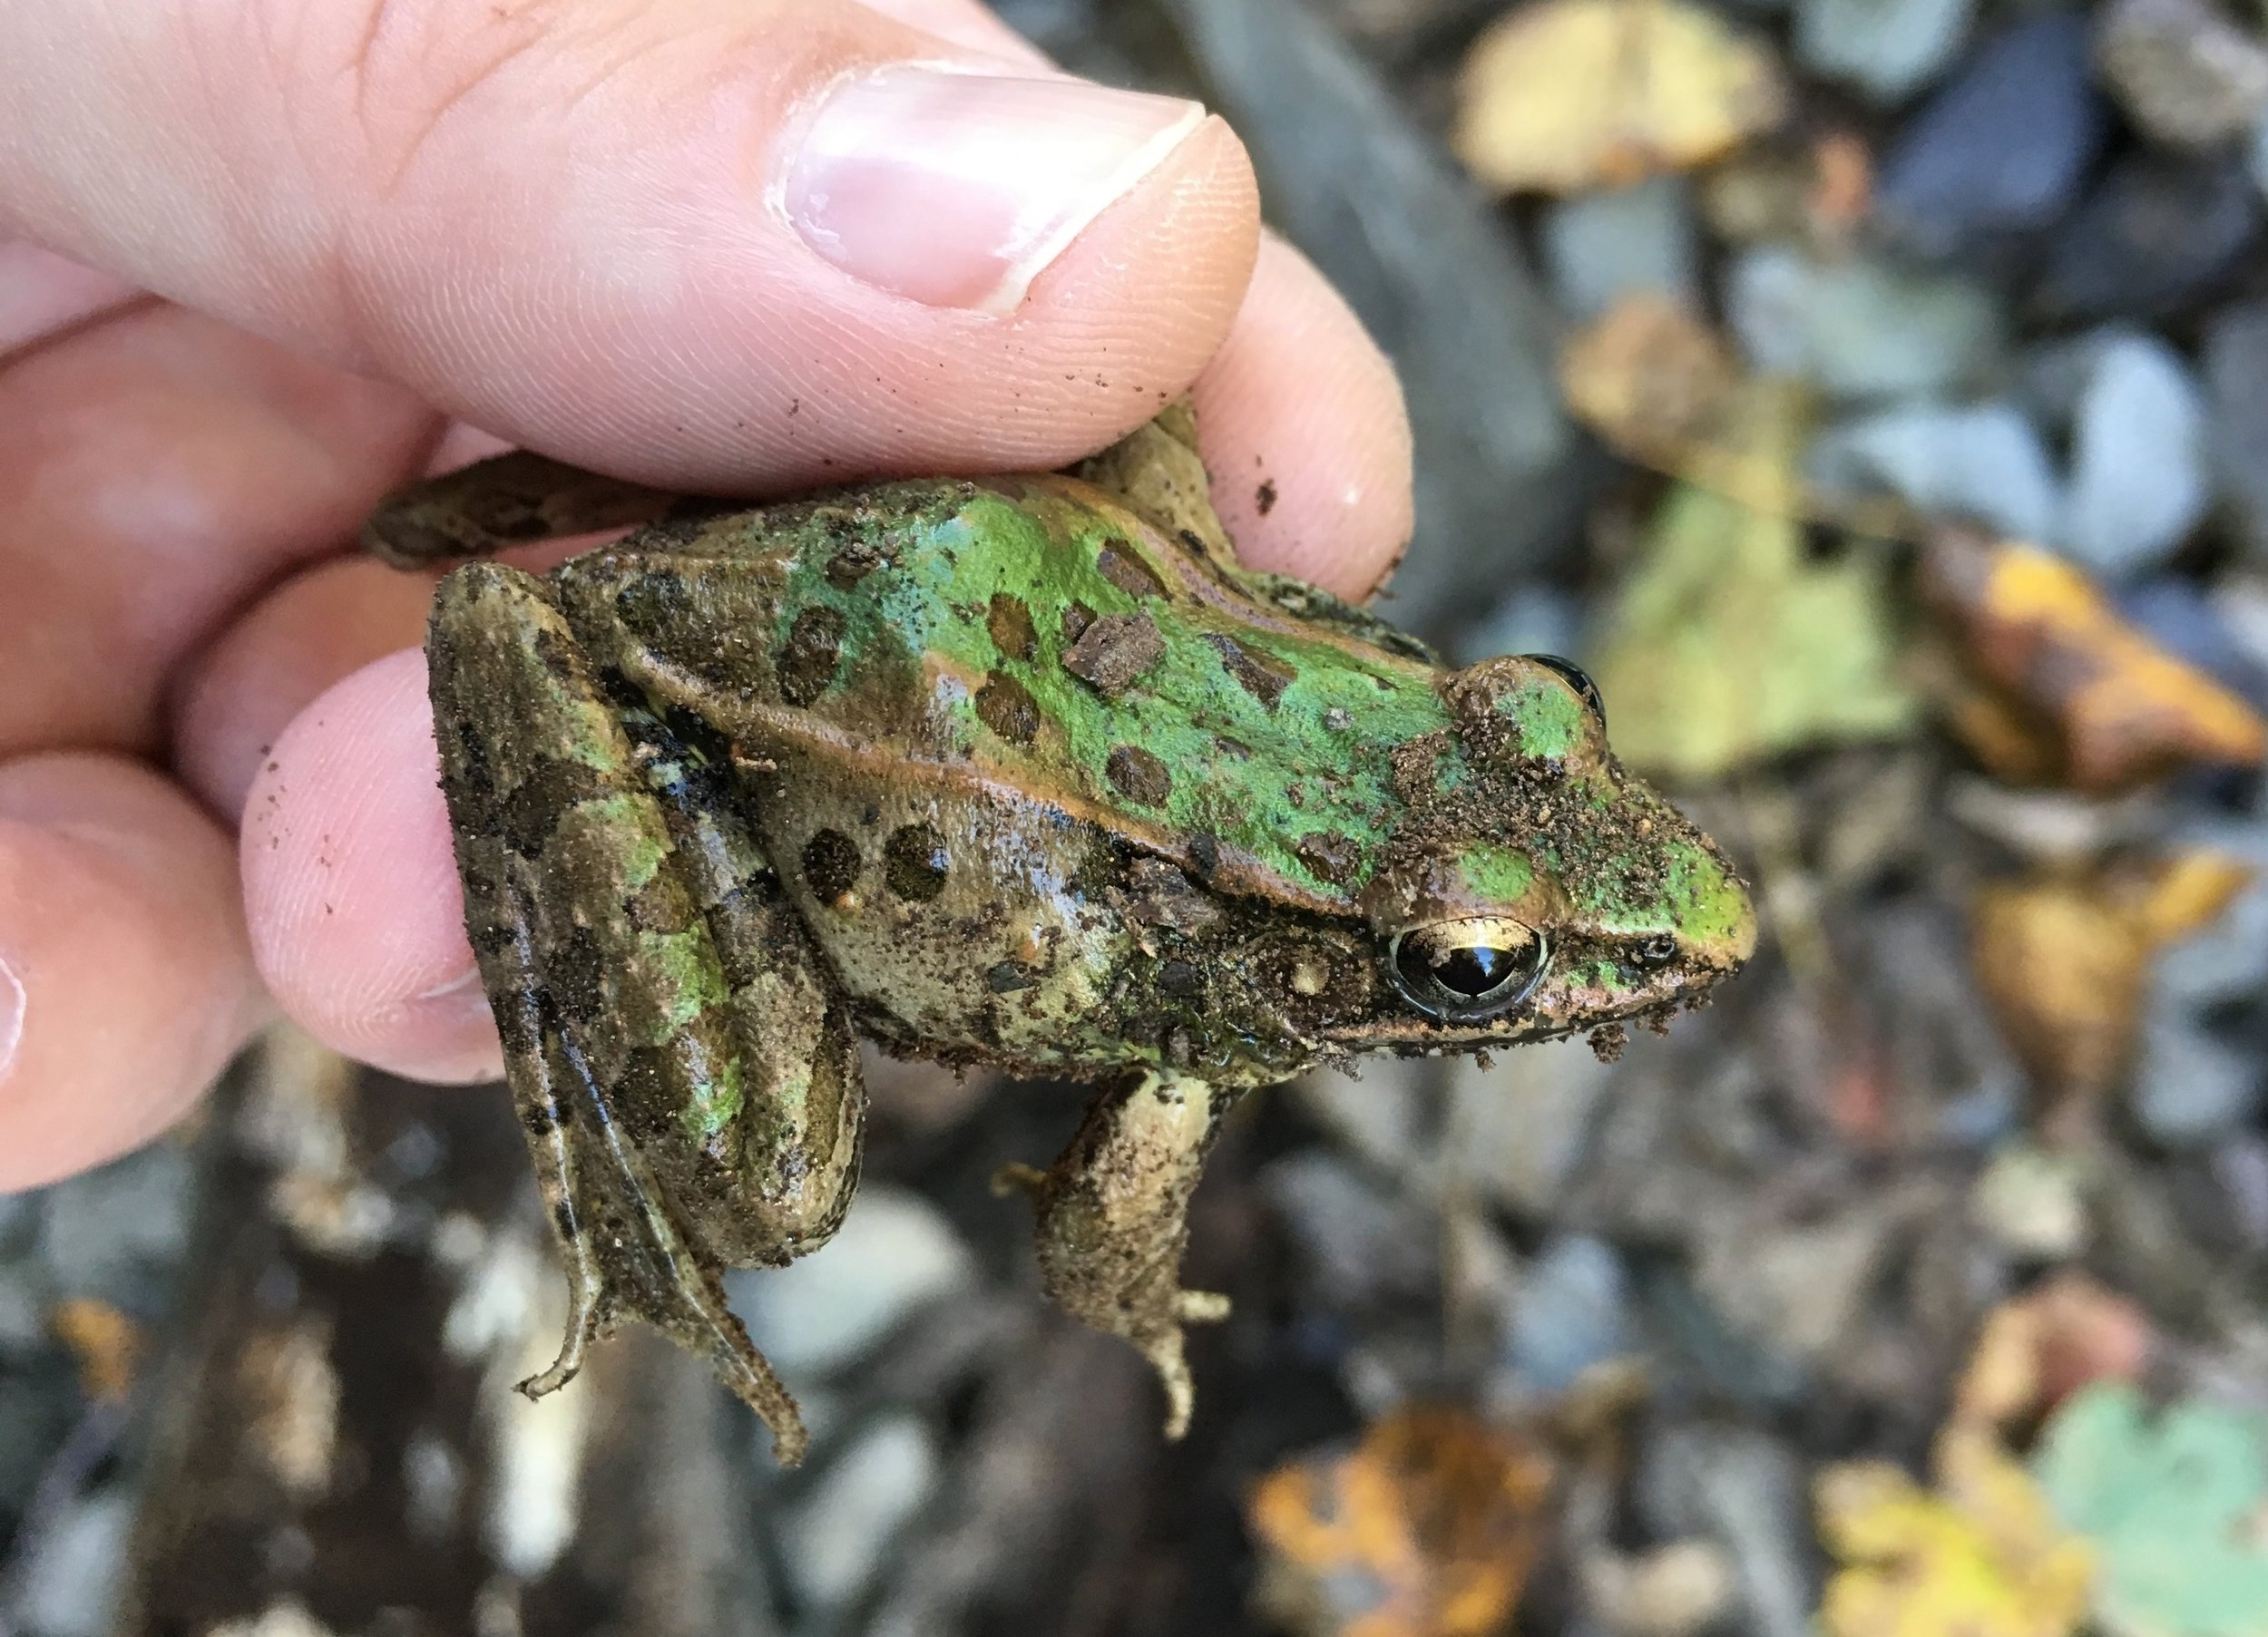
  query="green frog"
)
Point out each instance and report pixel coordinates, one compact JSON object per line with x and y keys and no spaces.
{"x":1022,"y":772}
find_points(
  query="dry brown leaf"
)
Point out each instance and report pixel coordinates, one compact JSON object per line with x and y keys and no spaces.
{"x":1978,"y":1556}
{"x":1427,"y":1528}
{"x":2036,"y":1350}
{"x":1656,"y":383}
{"x":1565,"y":95}
{"x":2063,"y":689}
{"x":107,"y":1344}
{"x":2063,"y":957}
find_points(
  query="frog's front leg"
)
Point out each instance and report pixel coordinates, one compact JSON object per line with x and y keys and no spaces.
{"x":1114,"y":1219}
{"x":508,"y":500}
{"x":689,"y":1089}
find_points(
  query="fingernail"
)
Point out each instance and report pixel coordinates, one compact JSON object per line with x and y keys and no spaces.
{"x":11,"y":1015}
{"x":956,"y":189}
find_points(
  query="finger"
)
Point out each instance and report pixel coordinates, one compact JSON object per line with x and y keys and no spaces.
{"x":1304,"y":432}
{"x":126,"y":979}
{"x":350,"y":885}
{"x":730,"y":244}
{"x":157,"y":472}
{"x":41,"y":294}
{"x":964,"y":22}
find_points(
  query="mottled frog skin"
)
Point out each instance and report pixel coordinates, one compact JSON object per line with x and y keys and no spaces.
{"x":1021,"y":772}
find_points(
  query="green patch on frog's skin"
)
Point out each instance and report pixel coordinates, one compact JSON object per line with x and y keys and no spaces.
{"x":1257,"y":775}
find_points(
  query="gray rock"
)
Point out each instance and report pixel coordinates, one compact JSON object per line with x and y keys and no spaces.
{"x":1519,"y":1128}
{"x":2256,"y":155}
{"x":1858,"y":329}
{"x":116,"y":1233}
{"x":1983,"y":462}
{"x":833,"y":1541}
{"x":2183,"y":72}
{"x":1886,"y":48}
{"x":894,"y":1252}
{"x":1427,"y":264}
{"x":1383,"y":1110}
{"x":2160,"y":231}
{"x":2138,"y":481}
{"x":36,"y":1406}
{"x":2003,"y":150}
{"x":1745,"y":1492}
{"x":2236,"y":395}
{"x":1364,"y":1243}
{"x":1640,"y":240}
{"x":69,"y":1585}
{"x":2188,"y":1086}
{"x":1571,"y":1311}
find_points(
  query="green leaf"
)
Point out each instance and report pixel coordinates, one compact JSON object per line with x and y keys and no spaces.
{"x":2176,"y":1500}
{"x":1726,"y":646}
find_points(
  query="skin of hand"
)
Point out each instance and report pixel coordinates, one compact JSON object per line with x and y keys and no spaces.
{"x":261,"y":261}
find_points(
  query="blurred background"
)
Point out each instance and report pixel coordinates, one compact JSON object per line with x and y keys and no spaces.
{"x":1873,"y":393}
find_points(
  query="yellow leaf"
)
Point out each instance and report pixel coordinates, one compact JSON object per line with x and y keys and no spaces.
{"x":1563,"y":95}
{"x":1980,"y":1556}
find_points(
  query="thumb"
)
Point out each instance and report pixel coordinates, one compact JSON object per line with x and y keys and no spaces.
{"x":733,"y":244}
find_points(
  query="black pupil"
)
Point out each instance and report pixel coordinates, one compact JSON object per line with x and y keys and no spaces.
{"x":1473,"y":972}
{"x":1575,"y":677}
{"x":1655,"y":950}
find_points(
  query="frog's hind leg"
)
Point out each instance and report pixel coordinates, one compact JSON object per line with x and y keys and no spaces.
{"x":623,"y":1036}
{"x":1114,"y":1219}
{"x":508,"y":500}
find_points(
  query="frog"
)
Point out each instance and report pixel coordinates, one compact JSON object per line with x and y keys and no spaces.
{"x":1025,"y":773}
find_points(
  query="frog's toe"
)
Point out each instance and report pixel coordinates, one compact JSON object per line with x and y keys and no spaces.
{"x":1164,"y":1355}
{"x":1200,"y":1307}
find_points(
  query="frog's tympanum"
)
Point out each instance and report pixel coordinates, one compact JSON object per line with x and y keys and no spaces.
{"x":1021,"y":772}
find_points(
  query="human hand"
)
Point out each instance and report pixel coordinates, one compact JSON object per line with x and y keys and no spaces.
{"x":739,"y":246}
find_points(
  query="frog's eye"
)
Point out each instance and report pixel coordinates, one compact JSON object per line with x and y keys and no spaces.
{"x":1576,"y":677}
{"x":1465,"y":970}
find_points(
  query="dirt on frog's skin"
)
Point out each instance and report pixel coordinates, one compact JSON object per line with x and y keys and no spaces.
{"x":1264,"y":497}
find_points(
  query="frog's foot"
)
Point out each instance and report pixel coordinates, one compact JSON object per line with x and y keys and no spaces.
{"x":1113,"y":1215}
{"x":621,"y":1031}
{"x":509,"y":500}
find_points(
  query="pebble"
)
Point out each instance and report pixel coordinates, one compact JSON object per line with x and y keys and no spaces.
{"x":2003,"y":149}
{"x":2189,"y":1086}
{"x":2182,"y":71}
{"x":1887,"y":48}
{"x":894,"y":1252}
{"x":1861,"y":329}
{"x":2161,"y":229}
{"x":1383,"y":1110}
{"x":116,"y":1233}
{"x":1519,"y":1128}
{"x":1569,"y":1311}
{"x":1640,"y":240}
{"x":1681,"y":1587}
{"x":2138,"y":481}
{"x":833,"y":1541}
{"x":2256,"y":155}
{"x":2236,"y":397}
{"x":71,"y":1581}
{"x":2030,"y":1202}
{"x":1744,"y":1491}
{"x":1985,"y":462}
{"x":1362,"y":1242}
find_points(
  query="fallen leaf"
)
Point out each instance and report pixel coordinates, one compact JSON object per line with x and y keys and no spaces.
{"x":1427,"y":1528}
{"x":107,"y":1344}
{"x":2175,"y":1501}
{"x":2063,"y":957}
{"x":1980,"y":1554}
{"x":1564,"y":96}
{"x":2036,"y":1350}
{"x":2059,"y":688}
{"x":1726,"y":645}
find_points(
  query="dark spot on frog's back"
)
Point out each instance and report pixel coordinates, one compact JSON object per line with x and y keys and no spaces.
{"x":550,"y":789}
{"x":830,"y":865}
{"x":806,"y":664}
{"x":1009,"y":622}
{"x":1006,"y":706}
{"x":1139,"y":776}
{"x":1115,"y":652}
{"x":1263,"y":675}
{"x":1123,"y":567}
{"x":652,"y":602}
{"x":852,"y":564}
{"x":914,"y":862}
